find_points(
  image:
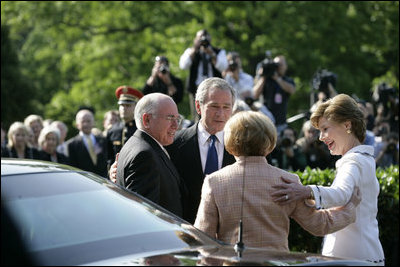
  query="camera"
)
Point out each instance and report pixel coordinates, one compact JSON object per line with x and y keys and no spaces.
{"x":384,"y":92}
{"x":204,"y":41}
{"x":286,"y":142}
{"x":232,"y":65}
{"x":321,"y":79}
{"x":269,"y":67}
{"x":163,"y":69}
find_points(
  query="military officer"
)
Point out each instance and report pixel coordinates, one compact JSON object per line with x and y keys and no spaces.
{"x":120,"y":133}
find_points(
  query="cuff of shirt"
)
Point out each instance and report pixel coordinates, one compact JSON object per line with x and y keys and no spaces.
{"x":317,"y":196}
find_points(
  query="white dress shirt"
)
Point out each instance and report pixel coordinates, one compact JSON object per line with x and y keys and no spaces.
{"x":204,"y":143}
{"x":359,"y":240}
{"x":221,"y":64}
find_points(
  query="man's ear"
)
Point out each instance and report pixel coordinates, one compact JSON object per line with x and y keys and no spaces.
{"x":146,"y":120}
{"x":197,"y":105}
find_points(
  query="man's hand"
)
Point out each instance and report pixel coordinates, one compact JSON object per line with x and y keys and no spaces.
{"x":113,"y":170}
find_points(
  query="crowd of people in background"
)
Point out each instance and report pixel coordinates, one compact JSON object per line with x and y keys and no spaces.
{"x":268,"y":92}
{"x":167,"y":161}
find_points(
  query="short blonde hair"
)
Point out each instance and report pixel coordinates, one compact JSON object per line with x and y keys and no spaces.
{"x":249,"y":133}
{"x":340,"y":109}
{"x":13,"y":129}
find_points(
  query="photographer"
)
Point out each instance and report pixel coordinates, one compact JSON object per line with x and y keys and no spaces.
{"x":203,"y":61}
{"x":389,"y":155}
{"x":235,"y":76}
{"x":162,"y":81}
{"x":323,"y":85}
{"x":287,"y":155}
{"x":275,"y":88}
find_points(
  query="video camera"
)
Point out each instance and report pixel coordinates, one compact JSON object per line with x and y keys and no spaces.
{"x":384,"y":92}
{"x":268,"y":65}
{"x":321,"y":79}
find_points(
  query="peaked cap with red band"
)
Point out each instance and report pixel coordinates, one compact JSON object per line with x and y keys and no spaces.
{"x":127,"y":95}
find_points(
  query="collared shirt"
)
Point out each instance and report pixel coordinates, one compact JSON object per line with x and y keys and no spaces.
{"x":157,"y":143}
{"x":359,"y":240}
{"x":204,"y":143}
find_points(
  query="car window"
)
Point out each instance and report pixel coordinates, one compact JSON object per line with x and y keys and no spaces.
{"x":85,"y":215}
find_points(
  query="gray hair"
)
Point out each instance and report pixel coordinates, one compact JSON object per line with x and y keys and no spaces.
{"x":210,"y":83}
{"x":147,"y":104}
{"x":31,"y":118}
{"x":45,"y":131}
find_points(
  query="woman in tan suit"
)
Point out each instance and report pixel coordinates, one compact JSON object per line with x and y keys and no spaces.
{"x":241,"y":191}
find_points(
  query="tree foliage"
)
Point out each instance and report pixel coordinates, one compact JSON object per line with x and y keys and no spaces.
{"x":77,"y":52}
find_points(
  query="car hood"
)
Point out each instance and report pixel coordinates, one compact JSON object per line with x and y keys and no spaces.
{"x":226,"y":255}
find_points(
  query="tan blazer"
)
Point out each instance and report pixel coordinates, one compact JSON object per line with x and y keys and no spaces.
{"x":265,"y":224}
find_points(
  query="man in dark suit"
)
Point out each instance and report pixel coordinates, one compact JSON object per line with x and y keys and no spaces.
{"x":120,"y":133}
{"x":87,"y":151}
{"x":144,"y":165}
{"x":214,"y":102}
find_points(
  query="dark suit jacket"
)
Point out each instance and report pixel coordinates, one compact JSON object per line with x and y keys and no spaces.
{"x":79,"y":155}
{"x":61,"y":158}
{"x":185,"y":155}
{"x":143,"y":167}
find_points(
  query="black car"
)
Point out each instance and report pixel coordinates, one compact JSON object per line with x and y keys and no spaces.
{"x":55,"y":214}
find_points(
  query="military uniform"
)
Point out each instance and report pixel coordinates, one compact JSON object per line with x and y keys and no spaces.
{"x":117,"y":137}
{"x":119,"y":134}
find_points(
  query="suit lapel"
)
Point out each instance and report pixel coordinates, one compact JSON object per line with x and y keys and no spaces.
{"x":161,"y":153}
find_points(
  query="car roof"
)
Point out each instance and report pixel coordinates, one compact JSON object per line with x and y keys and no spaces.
{"x":23,"y":166}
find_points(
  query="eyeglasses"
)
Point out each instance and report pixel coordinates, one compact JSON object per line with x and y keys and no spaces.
{"x":171,"y":118}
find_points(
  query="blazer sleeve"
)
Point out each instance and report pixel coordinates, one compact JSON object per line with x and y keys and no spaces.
{"x":322,"y":222}
{"x":142,"y":176}
{"x":207,"y":214}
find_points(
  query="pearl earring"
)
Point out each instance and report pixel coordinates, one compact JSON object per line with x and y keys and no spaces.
{"x":349,"y":131}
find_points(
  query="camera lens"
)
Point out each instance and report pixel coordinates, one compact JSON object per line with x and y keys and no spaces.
{"x":163,"y":69}
{"x":286,"y":142}
{"x":204,"y":41}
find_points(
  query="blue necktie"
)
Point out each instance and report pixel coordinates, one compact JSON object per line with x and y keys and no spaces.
{"x":212,"y":157}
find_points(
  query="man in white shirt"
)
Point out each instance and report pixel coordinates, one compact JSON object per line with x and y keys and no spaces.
{"x":204,"y":61}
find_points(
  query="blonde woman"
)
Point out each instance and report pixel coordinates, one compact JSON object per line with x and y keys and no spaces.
{"x":18,"y":145}
{"x":35,"y":122}
{"x":241,"y":191}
